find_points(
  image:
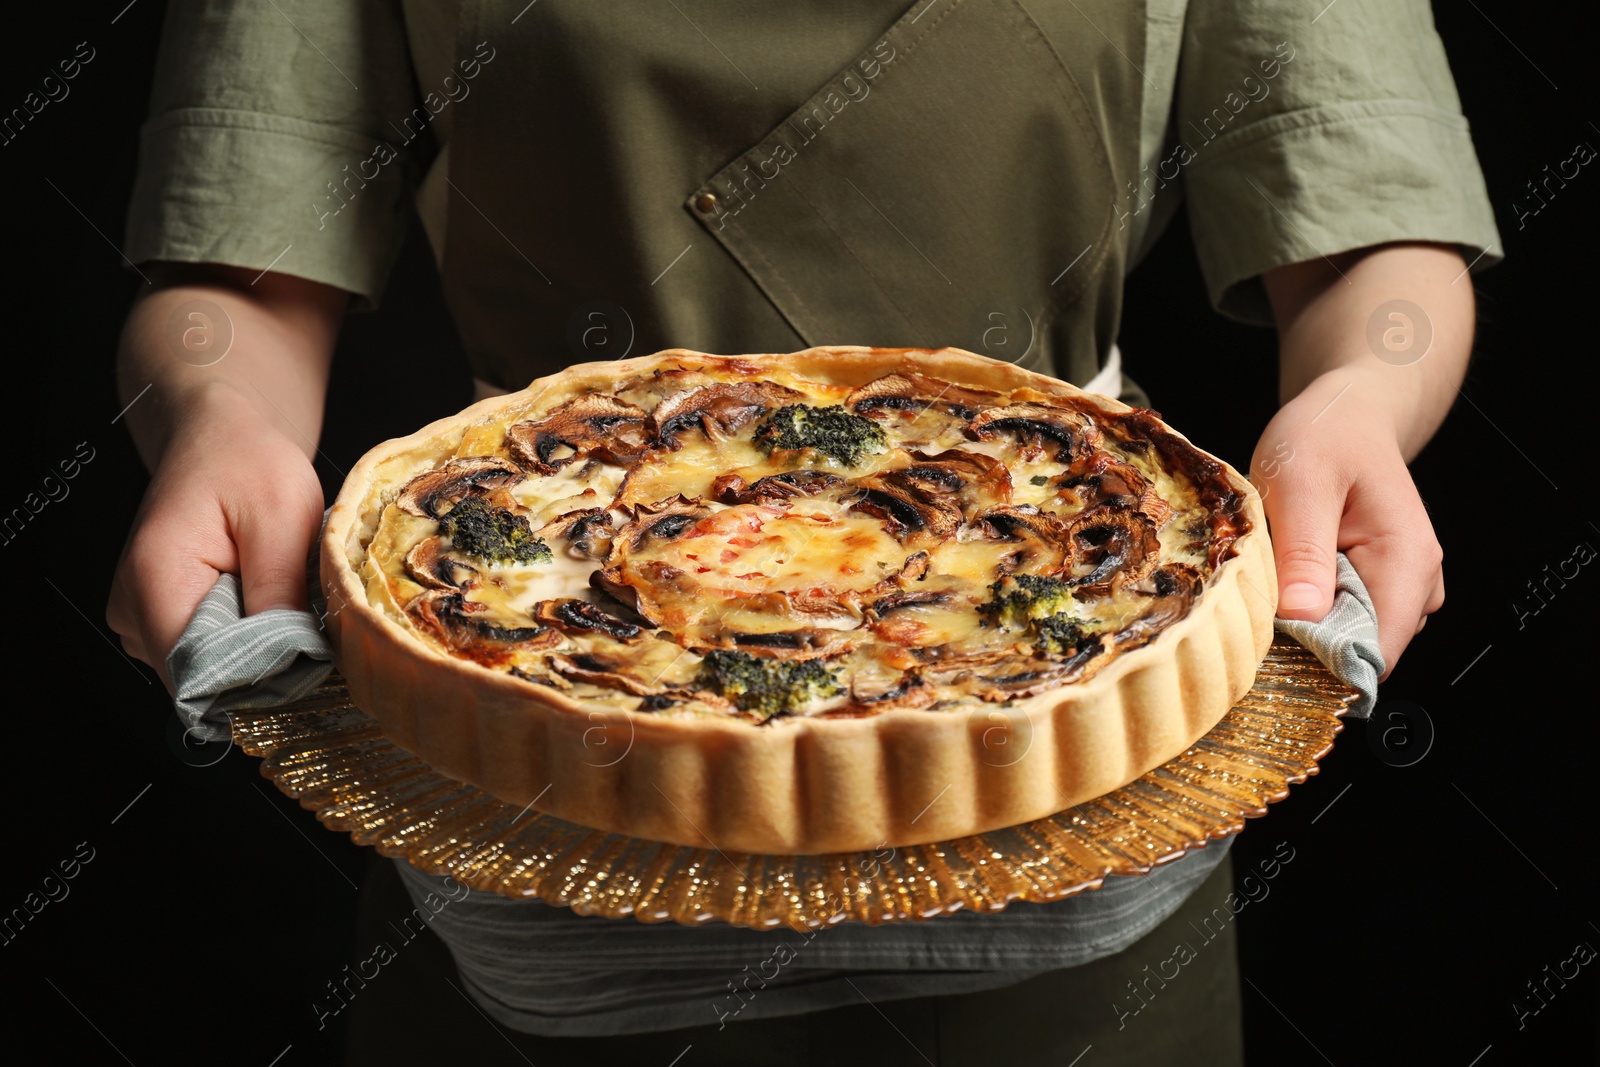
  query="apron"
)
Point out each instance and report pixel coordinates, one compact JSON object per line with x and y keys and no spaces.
{"x":761,"y":178}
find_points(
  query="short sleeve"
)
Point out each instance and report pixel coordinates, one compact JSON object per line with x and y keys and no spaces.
{"x":281,"y":135}
{"x":1311,"y":134}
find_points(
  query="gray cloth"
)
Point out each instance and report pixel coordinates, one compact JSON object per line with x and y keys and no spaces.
{"x":1346,"y":640}
{"x":226,"y":661}
{"x":546,"y":970}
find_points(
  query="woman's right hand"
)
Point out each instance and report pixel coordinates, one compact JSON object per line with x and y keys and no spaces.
{"x":229,"y":442}
{"x":232,"y":494}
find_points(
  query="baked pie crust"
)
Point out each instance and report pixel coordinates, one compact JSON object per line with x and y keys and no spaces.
{"x":824,"y":601}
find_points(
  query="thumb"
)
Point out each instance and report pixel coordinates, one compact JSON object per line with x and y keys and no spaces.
{"x":1304,"y":520}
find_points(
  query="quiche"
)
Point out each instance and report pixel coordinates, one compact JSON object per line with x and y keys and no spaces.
{"x":829,"y":600}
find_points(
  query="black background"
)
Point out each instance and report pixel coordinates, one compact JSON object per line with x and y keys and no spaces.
{"x":1421,"y":899}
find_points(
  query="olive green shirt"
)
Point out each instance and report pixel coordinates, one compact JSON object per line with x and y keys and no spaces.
{"x":598,"y":179}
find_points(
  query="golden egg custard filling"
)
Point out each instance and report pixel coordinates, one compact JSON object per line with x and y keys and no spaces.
{"x":720,"y":539}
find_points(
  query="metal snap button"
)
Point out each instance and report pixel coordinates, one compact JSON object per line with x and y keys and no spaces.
{"x":705,"y":202}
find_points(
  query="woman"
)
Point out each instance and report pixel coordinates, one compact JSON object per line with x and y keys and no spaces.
{"x":596,"y":179}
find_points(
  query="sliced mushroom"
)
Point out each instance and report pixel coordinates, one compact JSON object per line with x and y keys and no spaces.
{"x":891,"y":593}
{"x":811,"y":642}
{"x":658,"y":695}
{"x":932,"y":494}
{"x":899,"y":601}
{"x":449,"y":615}
{"x":1103,"y":478}
{"x":545,"y":677}
{"x":984,"y":480}
{"x":593,"y":424}
{"x":587,"y":531}
{"x":1171,"y":589}
{"x":580,"y":617}
{"x":1058,"y":432}
{"x":914,"y":569}
{"x":914,"y":394}
{"x":672,"y":697}
{"x":940,"y":663}
{"x":785,"y":640}
{"x":596,"y":671}
{"x":1039,"y":674}
{"x":427,"y":494}
{"x":815,"y":603}
{"x":1218,"y":494}
{"x":717,"y":410}
{"x":1007,"y":673}
{"x":665,"y":520}
{"x":926,"y":618}
{"x":430,"y":566}
{"x":1152,"y":507}
{"x":1045,"y":545}
{"x":609,"y":581}
{"x":1115,"y":544}
{"x":909,"y":691}
{"x":731,"y":489}
{"x":904,"y":510}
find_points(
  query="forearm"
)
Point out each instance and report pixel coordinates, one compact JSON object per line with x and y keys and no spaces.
{"x":283,"y":332}
{"x":1327,"y":357}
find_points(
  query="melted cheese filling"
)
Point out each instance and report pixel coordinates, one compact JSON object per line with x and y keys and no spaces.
{"x":816,"y":563}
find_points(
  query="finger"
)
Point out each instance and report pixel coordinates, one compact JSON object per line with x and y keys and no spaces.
{"x":1434,"y":602}
{"x":1304,"y":517}
{"x":1436,"y":597}
{"x":273,"y":539}
{"x":119,"y":605}
{"x":1391,"y":543}
{"x":120,"y":617}
{"x":162,"y":581}
{"x":1401,"y":572}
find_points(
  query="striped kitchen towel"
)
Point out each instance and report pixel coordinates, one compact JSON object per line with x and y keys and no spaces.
{"x":1346,"y":640}
{"x":226,"y":660}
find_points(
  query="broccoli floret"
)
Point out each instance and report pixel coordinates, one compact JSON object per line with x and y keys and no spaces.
{"x":479,"y":529}
{"x":765,"y":686}
{"x":832,"y":431}
{"x":1018,"y":599}
{"x":1058,"y":634}
{"x":1039,"y":605}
